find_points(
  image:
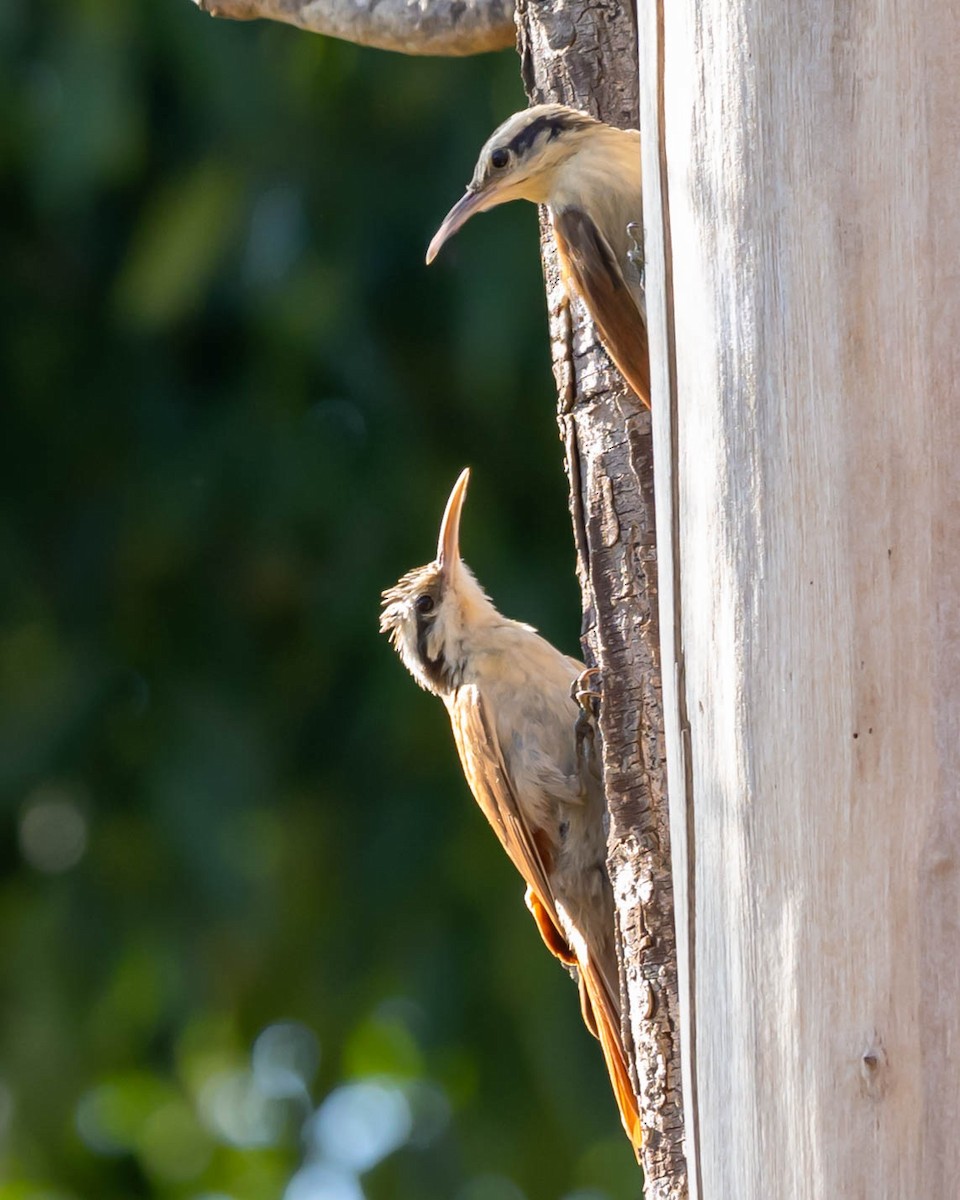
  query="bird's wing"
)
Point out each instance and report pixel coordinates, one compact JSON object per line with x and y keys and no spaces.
{"x":483,"y":764}
{"x":482,"y":759}
{"x":592,"y":267}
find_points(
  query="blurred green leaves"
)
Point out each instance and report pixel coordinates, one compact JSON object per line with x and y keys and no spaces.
{"x":258,"y":943}
{"x":84,"y":122}
{"x":178,"y":244}
{"x":382,"y":1045}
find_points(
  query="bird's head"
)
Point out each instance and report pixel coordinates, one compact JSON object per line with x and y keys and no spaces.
{"x":432,"y":613}
{"x":518,"y":162}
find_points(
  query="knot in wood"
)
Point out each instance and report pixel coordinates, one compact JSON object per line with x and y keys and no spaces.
{"x":873,"y":1069}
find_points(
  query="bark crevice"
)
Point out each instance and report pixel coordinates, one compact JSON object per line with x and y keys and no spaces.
{"x":586,"y":56}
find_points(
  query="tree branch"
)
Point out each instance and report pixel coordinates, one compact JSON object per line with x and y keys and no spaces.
{"x":433,"y":27}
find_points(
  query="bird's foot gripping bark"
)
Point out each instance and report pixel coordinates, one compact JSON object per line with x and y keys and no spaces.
{"x":636,"y":270}
{"x":583,"y":693}
{"x":635,"y":253}
{"x":588,"y":699}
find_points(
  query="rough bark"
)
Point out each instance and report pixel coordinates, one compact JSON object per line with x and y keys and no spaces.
{"x":585,"y":55}
{"x":433,"y":27}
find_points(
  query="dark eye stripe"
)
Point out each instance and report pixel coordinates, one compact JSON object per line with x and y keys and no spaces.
{"x":553,"y":123}
{"x":435,"y":669}
{"x":525,"y":139}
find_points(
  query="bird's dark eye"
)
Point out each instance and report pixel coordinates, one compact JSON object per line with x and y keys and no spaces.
{"x":424,"y":603}
{"x":499,"y":158}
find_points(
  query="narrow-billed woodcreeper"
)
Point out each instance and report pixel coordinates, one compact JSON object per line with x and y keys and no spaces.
{"x":588,"y":175}
{"x":510,"y":697}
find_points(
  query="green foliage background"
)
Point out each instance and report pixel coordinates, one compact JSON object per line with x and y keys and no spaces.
{"x":257,"y":941}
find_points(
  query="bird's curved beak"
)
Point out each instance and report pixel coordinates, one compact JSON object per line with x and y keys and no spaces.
{"x":448,"y":544}
{"x":458,"y":216}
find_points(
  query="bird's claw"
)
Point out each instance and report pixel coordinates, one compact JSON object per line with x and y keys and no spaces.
{"x":587,"y":698}
{"x":635,"y":253}
{"x":580,"y":689}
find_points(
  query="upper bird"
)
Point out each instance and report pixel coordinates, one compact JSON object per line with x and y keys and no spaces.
{"x":588,"y":175}
{"x":508,"y":693}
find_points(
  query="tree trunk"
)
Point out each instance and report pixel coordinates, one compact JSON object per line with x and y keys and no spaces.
{"x":808,"y":496}
{"x":586,"y":55}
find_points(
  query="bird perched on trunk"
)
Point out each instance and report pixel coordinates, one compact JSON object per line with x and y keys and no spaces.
{"x":508,"y":693}
{"x":588,"y":175}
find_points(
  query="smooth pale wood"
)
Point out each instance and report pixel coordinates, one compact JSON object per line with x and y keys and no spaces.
{"x":807,"y":441}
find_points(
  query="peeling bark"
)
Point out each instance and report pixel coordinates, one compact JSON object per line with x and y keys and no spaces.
{"x":435,"y":27}
{"x":585,"y":55}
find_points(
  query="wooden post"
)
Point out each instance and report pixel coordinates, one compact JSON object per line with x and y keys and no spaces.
{"x":803,"y":244}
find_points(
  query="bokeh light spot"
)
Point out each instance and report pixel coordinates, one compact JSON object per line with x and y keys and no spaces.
{"x":276,"y":235}
{"x":111,"y":1116}
{"x":359,"y":1124}
{"x":233,"y":1107}
{"x":430,"y":1109}
{"x":321,"y":1181}
{"x":286,"y":1056}
{"x":53,"y":830}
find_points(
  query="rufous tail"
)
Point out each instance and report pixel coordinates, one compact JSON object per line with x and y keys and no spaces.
{"x":600,"y":1020}
{"x":600,"y":1015}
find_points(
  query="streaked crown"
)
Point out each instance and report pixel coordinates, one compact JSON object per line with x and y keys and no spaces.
{"x":430,"y":612}
{"x":530,"y":141}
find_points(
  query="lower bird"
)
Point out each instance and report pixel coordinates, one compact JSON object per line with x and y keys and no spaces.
{"x":588,"y":175}
{"x":515,"y":722}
